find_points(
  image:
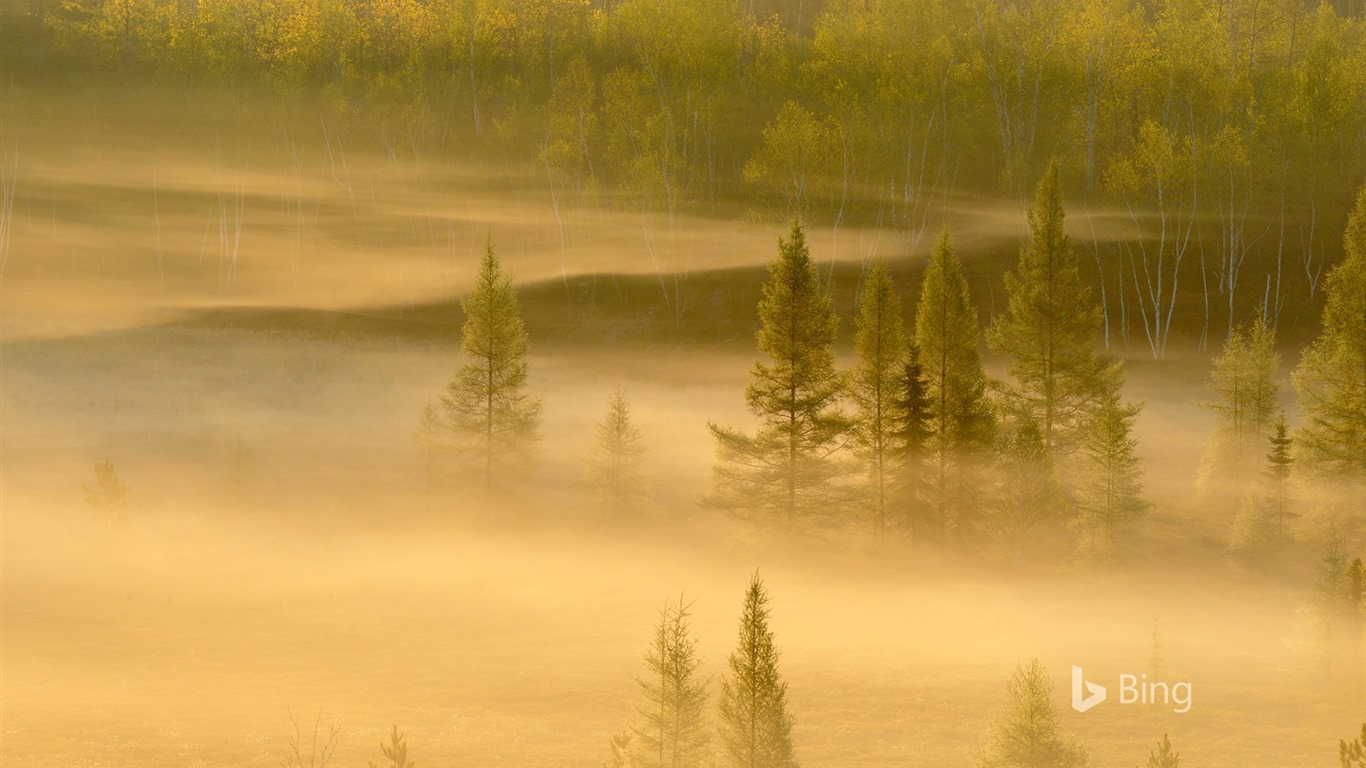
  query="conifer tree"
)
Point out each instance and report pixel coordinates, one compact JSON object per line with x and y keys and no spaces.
{"x":673,"y":728}
{"x":1339,"y":586}
{"x":1027,"y":490}
{"x":1245,"y":405}
{"x":490,"y":412}
{"x":1331,"y":378}
{"x":786,"y":468}
{"x":1027,"y":735}
{"x":756,"y":729}
{"x":912,"y":440}
{"x":396,"y":751}
{"x":1353,"y":753}
{"x":877,"y":389}
{"x":616,"y":463}
{"x":959,"y":419}
{"x":1050,"y":329}
{"x":620,"y":756}
{"x":109,"y":496}
{"x":1110,"y":495}
{"x":1280,"y":462}
{"x":1263,"y":526}
{"x":1164,"y":756}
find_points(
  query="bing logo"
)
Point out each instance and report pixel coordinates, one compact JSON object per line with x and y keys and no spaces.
{"x":1133,"y":689}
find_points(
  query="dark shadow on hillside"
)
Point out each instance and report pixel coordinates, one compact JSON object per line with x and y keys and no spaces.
{"x":714,"y":309}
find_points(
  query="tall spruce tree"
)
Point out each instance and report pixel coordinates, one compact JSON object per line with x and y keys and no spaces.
{"x":616,"y":464}
{"x":877,"y":389}
{"x":1331,"y":378}
{"x":1263,"y":525}
{"x":492,"y":416}
{"x":1245,"y":405}
{"x":1050,"y":330}
{"x":786,"y":468}
{"x":1280,"y":463}
{"x":960,"y":419}
{"x":912,"y":440}
{"x":756,"y":729}
{"x":1110,"y":495}
{"x":1027,"y":736}
{"x":673,"y":726}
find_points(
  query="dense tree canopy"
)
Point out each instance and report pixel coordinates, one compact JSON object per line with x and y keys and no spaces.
{"x":893,"y":101}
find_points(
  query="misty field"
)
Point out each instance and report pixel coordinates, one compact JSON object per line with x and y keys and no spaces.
{"x":329,"y":583}
{"x":283,"y":555}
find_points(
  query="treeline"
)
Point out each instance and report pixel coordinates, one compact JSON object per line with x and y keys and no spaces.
{"x":917,"y":445}
{"x":915,"y":442}
{"x":1241,"y":124}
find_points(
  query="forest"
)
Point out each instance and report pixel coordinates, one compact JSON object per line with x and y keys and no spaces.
{"x":556,"y":381}
{"x":1238,"y":124}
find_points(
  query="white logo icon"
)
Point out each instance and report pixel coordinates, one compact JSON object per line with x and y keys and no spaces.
{"x":1095,"y":694}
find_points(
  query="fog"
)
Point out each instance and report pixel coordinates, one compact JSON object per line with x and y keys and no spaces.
{"x":170,"y":303}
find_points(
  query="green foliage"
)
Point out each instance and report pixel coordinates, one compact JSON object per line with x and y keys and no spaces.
{"x":869,"y":108}
{"x":786,"y":469}
{"x":1280,"y":462}
{"x":492,"y":416}
{"x":799,"y":158}
{"x":572,"y":128}
{"x":1157,"y":173}
{"x":1247,"y":399}
{"x":958,"y":417}
{"x":673,"y":725}
{"x":1263,"y":527}
{"x":1049,"y":331}
{"x":912,"y":435}
{"x":882,"y":76}
{"x":1107,"y":50}
{"x":756,"y":729}
{"x":1331,"y":378}
{"x":1110,"y":494}
{"x":396,"y":751}
{"x":1017,"y":58}
{"x":662,"y":102}
{"x":1164,"y":756}
{"x":1331,"y":584}
{"x":615,"y":466}
{"x":1027,"y":735}
{"x":876,"y":388}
